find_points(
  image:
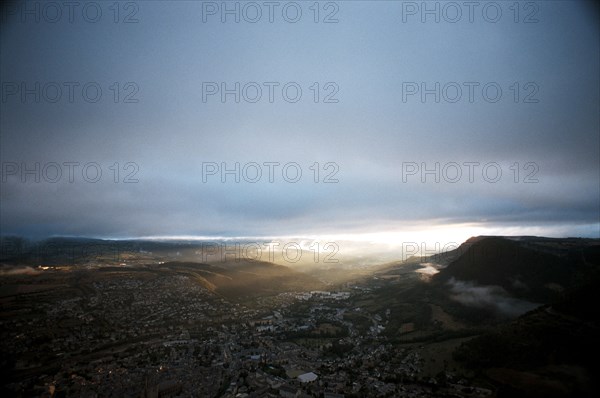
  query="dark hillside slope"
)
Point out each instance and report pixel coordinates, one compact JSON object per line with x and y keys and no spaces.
{"x":548,"y":352}
{"x":521,"y":268}
{"x":247,"y":278}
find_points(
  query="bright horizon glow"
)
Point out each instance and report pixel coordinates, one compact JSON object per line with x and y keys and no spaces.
{"x":363,"y":248}
{"x":429,"y":239}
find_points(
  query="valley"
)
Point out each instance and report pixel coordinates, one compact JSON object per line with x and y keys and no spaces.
{"x":146,"y":323}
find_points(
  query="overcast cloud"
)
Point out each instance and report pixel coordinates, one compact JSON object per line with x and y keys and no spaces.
{"x":374,"y":140}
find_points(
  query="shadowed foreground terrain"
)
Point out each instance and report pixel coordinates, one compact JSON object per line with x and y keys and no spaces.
{"x":497,"y":317}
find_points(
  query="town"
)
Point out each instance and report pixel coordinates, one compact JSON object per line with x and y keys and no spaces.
{"x":152,"y":331}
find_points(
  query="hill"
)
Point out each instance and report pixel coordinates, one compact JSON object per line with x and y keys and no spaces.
{"x":537,"y":269}
{"x":548,"y":352}
{"x":246,"y":278}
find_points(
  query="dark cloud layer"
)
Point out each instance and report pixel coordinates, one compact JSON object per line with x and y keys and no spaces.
{"x":371,"y":133}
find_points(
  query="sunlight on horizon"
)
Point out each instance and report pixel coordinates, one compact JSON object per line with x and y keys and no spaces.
{"x":425,"y":241}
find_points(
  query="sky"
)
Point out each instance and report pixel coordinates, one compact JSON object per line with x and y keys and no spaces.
{"x":370,"y":121}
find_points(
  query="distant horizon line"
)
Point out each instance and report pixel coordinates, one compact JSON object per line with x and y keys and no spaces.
{"x":201,"y":238}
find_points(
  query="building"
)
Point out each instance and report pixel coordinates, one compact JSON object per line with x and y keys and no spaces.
{"x":288,"y":392}
{"x":307,"y":377}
